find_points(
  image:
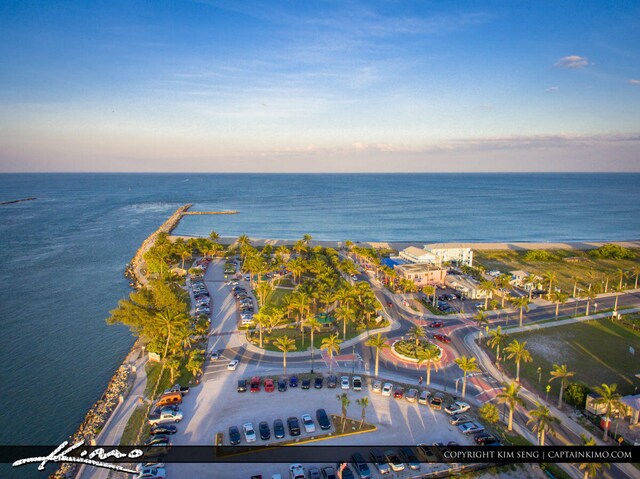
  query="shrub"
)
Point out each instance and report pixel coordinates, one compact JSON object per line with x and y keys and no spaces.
{"x":540,"y":255}
{"x":575,"y":394}
{"x":612,"y":251}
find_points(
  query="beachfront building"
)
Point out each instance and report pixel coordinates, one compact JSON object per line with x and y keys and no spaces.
{"x":421,"y":274}
{"x":468,"y":287}
{"x":520,"y":279}
{"x":418,"y":256}
{"x":458,"y":254}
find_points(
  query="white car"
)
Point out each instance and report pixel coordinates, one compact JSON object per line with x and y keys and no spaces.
{"x":233,"y":365}
{"x":297,"y":471}
{"x":308,"y":424}
{"x":152,"y":473}
{"x":249,"y":432}
{"x":457,"y":408}
{"x":387,"y":389}
{"x":344,"y":382}
{"x":215,"y":355}
{"x":377,"y":386}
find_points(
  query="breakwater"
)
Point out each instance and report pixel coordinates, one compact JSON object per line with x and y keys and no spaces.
{"x":231,"y":212}
{"x":17,"y":201}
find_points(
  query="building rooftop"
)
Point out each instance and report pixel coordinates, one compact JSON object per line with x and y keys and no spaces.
{"x":418,"y":268}
{"x":413,"y":251}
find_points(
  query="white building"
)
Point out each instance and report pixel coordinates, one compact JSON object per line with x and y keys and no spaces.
{"x":419,"y":256}
{"x":454,"y":253}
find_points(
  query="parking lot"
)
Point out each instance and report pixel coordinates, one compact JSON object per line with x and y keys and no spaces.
{"x":216,"y":405}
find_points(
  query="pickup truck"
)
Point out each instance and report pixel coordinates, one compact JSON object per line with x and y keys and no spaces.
{"x":165,"y":416}
{"x":470,"y":428}
{"x":184,"y":390}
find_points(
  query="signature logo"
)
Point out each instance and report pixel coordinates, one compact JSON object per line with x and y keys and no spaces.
{"x":59,"y":455}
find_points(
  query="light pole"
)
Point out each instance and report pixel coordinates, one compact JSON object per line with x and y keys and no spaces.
{"x":539,"y":375}
{"x":353,"y":361}
{"x":548,"y":389}
{"x":312,"y":355}
{"x":457,"y":385}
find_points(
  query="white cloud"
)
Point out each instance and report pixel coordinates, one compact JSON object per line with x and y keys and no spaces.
{"x":553,"y":88}
{"x":572,"y":61}
{"x":634,"y":82}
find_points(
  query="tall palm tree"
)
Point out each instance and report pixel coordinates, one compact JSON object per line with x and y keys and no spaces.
{"x":314,"y":326}
{"x":611,"y":400}
{"x":184,"y":251}
{"x":285,"y":344}
{"x":263,"y":321}
{"x":416,"y":333}
{"x":497,"y":339}
{"x":379,"y":343}
{"x":481,"y":317}
{"x":173,"y":363}
{"x":518,"y":352}
{"x":615,"y":305}
{"x":195,"y":362}
{"x":332,"y":345}
{"x":522,"y":303}
{"x":591,"y":468}
{"x":467,"y":365}
{"x":575,"y":280}
{"x":550,"y":277}
{"x":430,"y":290}
{"x":531,"y":279}
{"x":589,"y":295}
{"x":431,"y":357}
{"x":503,"y":282}
{"x":510,"y":396}
{"x":344,"y":404}
{"x":345,"y":314}
{"x":488,"y":288}
{"x":214,"y":236}
{"x":636,"y":272}
{"x":558,"y":297}
{"x":363,"y":403}
{"x":542,"y":422}
{"x":622,"y":274}
{"x":561,"y":373}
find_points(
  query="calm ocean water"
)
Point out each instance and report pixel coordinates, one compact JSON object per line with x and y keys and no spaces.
{"x":63,"y":255}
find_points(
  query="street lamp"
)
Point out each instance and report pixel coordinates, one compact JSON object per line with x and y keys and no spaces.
{"x":312,"y":351}
{"x":353,"y":359}
{"x":457,"y":385}
{"x":539,"y":375}
{"x":548,"y":389}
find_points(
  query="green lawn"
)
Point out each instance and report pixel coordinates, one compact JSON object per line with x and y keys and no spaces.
{"x":276,"y":296}
{"x":597,"y":351}
{"x":133,"y":426}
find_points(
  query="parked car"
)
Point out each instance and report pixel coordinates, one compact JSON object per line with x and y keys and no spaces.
{"x":306,"y":383}
{"x":158,"y":440}
{"x":485,"y":439}
{"x":436,"y":402}
{"x":313,"y":473}
{"x":378,"y":459}
{"x":377,"y":387}
{"x":308,"y":424}
{"x":361,"y":467}
{"x":234,"y":436}
{"x":356,"y":381}
{"x":296,"y":471}
{"x":249,"y":432}
{"x":176,"y":388}
{"x":470,"y":428}
{"x":255,"y":384}
{"x":282,"y":384}
{"x":426,"y":453}
{"x":165,"y":416}
{"x":344,"y":382}
{"x":215,"y":355}
{"x":278,"y":429}
{"x":317,"y":382}
{"x":386,"y":389}
{"x":346,"y":473}
{"x":233,"y":365}
{"x":332,"y":381}
{"x":412,"y":395}
{"x":293,"y":382}
{"x":436,"y":324}
{"x":394,"y":461}
{"x":424,"y":397}
{"x":329,"y":472}
{"x":443,"y":338}
{"x":294,"y":426}
{"x":163,"y":429}
{"x":265,"y":432}
{"x":457,"y":407}
{"x":323,"y":419}
{"x":242,"y":385}
{"x":268,"y":385}
{"x":459,"y":419}
{"x":410,"y":458}
{"x":152,"y":473}
{"x":398,"y":392}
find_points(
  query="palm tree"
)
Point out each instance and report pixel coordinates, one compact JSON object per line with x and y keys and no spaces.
{"x":523,"y":304}
{"x":560,"y":372}
{"x":314,"y":325}
{"x":195,"y":362}
{"x":518,"y":352}
{"x":263,"y":321}
{"x":173,"y":363}
{"x":532,"y":280}
{"x":363,"y":403}
{"x":542,"y":421}
{"x":503,"y":281}
{"x":591,"y":468}
{"x":467,"y":365}
{"x":636,"y":272}
{"x":345,"y":314}
{"x":510,"y":396}
{"x":622,"y":274}
{"x":379,"y":343}
{"x":430,"y":290}
{"x":488,"y":288}
{"x":214,"y":236}
{"x":481,"y":317}
{"x":589,"y":295}
{"x":617,"y":291}
{"x":550,"y":277}
{"x":184,"y":251}
{"x":575,"y":280}
{"x":431,"y":356}
{"x":497,"y":339}
{"x":344,"y":403}
{"x":611,"y":400}
{"x":285,"y":344}
{"x":332,"y":345}
{"x":559,"y":298}
{"x":416,"y":333}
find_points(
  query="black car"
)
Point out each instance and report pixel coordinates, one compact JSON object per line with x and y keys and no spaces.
{"x":323,"y":419}
{"x":294,"y":426}
{"x":332,"y":381}
{"x":360,"y":466}
{"x":410,"y":458}
{"x":282,"y":384}
{"x":484,"y":439}
{"x":157,"y":439}
{"x":293,"y":382}
{"x":278,"y":429}
{"x":306,"y":383}
{"x":163,"y":429}
{"x":265,"y":432}
{"x":346,"y":472}
{"x":242,"y":385}
{"x":234,"y":436}
{"x":317,"y":382}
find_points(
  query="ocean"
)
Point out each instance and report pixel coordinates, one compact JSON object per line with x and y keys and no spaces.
{"x":63,"y":254}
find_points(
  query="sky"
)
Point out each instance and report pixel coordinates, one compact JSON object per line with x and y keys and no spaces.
{"x":323,"y":86}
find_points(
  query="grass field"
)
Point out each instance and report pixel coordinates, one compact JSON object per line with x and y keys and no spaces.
{"x":597,"y":351}
{"x":569,"y":264}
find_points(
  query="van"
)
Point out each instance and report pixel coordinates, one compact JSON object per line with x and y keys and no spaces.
{"x":361,"y":466}
{"x":169,"y":399}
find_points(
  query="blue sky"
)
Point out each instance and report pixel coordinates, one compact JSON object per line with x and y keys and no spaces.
{"x":319,"y":86}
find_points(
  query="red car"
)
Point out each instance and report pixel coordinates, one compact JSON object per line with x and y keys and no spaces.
{"x":268,"y":385}
{"x":436,"y":324}
{"x":255,"y":384}
{"x":398,"y":393}
{"x":442,"y":338}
